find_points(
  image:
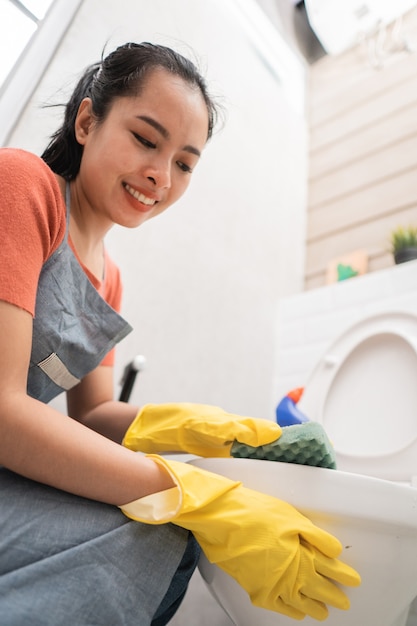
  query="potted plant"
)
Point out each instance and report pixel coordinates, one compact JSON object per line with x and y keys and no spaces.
{"x":404,"y":243}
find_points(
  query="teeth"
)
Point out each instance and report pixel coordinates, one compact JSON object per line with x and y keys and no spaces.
{"x":139,"y":196}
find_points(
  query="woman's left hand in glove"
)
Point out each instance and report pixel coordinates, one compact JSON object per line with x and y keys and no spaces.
{"x":199,"y":429}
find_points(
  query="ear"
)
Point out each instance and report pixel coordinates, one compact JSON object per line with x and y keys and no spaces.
{"x":84,"y":121}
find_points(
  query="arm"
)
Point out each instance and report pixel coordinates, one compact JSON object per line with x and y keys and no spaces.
{"x":91,"y":403}
{"x":44,"y":445}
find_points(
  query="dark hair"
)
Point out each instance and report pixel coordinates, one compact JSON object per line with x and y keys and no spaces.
{"x":121,"y":73}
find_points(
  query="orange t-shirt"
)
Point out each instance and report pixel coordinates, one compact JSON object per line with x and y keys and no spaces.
{"x":32,"y":227}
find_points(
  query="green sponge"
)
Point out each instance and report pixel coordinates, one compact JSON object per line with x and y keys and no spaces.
{"x":305,"y":444}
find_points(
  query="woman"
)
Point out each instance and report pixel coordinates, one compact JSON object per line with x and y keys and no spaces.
{"x":133,"y":132}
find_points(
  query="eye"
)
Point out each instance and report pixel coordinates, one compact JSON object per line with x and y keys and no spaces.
{"x":144,"y":142}
{"x":184,"y":167}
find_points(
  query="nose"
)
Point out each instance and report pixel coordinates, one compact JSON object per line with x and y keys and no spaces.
{"x":159,"y":173}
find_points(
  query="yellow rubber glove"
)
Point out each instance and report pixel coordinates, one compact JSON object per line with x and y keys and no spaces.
{"x":197,"y":429}
{"x":284,"y":562}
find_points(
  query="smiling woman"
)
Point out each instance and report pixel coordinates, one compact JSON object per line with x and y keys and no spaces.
{"x":133,"y":131}
{"x":122,"y":155}
{"x":155,"y":139}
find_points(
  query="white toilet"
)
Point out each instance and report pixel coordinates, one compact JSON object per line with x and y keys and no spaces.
{"x":364,"y":392}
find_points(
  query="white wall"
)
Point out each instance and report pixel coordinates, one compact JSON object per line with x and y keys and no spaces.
{"x":309,"y":322}
{"x":202,"y":281}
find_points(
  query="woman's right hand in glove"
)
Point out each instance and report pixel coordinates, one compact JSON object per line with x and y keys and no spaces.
{"x":283,"y":561}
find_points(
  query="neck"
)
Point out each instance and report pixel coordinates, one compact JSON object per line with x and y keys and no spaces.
{"x":90,"y":250}
{"x":86,"y":232}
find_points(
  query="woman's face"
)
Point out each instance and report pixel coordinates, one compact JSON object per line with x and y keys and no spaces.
{"x":139,"y":160}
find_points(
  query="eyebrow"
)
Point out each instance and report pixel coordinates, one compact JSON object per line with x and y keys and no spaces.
{"x":165,"y":134}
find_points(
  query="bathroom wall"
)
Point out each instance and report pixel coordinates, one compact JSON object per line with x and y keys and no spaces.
{"x":363,"y":151}
{"x":307,"y":323}
{"x":202,"y":280}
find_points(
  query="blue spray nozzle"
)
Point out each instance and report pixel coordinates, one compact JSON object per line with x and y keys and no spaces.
{"x":288,"y":414}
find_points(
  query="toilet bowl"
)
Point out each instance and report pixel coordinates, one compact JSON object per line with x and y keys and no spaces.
{"x":364,"y":392}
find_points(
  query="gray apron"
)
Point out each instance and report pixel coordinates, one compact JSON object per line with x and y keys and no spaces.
{"x":73,"y":327}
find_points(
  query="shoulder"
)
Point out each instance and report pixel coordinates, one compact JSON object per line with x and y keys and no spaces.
{"x":22,"y":163}
{"x":29,"y":177}
{"x":32,"y":224}
{"x":29,"y":188}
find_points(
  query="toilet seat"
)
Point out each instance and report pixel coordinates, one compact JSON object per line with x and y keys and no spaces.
{"x":364,"y":392}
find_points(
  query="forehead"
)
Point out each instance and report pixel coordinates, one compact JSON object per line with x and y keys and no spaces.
{"x":169,"y":99}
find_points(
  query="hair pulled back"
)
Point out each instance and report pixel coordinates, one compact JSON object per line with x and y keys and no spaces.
{"x":122,"y":73}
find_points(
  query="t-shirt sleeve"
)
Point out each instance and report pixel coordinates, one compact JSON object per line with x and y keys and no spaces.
{"x":32,"y":224}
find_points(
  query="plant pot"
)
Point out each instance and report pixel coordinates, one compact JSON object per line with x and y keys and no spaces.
{"x":405,"y":254}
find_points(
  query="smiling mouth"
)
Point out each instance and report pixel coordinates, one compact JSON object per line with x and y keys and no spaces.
{"x":139,"y":196}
